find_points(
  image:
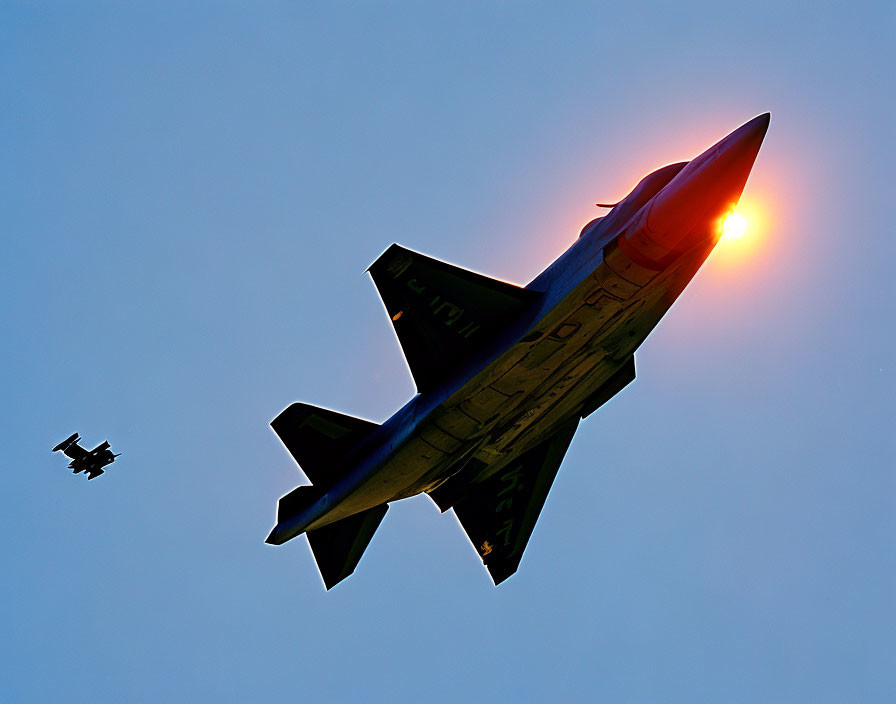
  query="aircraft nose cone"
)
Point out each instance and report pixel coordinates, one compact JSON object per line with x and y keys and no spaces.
{"x":708,"y":186}
{"x":738,"y":150}
{"x":749,"y":133}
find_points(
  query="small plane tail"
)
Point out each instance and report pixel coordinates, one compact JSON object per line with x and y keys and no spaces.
{"x":319,"y":438}
{"x":338,"y":547}
{"x":74,"y":437}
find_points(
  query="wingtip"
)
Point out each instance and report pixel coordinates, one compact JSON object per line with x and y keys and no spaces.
{"x":391,"y":249}
{"x":501,"y":572}
{"x":330,"y":582}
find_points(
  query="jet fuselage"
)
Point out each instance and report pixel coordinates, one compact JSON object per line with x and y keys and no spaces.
{"x":569,"y":351}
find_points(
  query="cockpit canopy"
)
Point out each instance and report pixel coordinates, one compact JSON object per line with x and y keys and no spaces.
{"x":646,"y":189}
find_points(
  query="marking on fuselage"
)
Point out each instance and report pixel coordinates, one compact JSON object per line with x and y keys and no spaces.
{"x":565,"y":330}
{"x":440,"y":428}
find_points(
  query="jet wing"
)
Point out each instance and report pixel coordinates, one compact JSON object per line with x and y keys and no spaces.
{"x":499,"y":514}
{"x":443,"y":315}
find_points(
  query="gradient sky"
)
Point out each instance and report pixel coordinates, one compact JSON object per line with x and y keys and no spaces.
{"x":190,"y":197}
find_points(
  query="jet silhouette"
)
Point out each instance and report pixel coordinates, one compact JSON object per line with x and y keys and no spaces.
{"x":504,"y":374}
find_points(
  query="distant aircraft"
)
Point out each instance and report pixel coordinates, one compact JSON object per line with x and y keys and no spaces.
{"x":504,"y":374}
{"x":89,"y":461}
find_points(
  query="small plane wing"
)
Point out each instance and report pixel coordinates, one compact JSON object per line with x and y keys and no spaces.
{"x":443,"y":315}
{"x":499,"y":514}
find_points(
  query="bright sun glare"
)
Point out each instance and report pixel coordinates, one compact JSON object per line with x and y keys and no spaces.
{"x":734,"y":226}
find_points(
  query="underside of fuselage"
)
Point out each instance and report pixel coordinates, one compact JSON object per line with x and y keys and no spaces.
{"x":517,"y":400}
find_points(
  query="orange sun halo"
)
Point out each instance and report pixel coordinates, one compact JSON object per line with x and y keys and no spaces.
{"x":741,"y":232}
{"x":734,"y":226}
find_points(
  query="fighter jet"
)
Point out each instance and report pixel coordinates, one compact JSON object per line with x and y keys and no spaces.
{"x":89,"y":461}
{"x":505,"y":374}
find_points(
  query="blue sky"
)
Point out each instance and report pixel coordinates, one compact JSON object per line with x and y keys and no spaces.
{"x":190,"y":197}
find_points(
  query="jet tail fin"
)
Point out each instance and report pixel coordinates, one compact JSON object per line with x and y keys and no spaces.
{"x":318,"y":438}
{"x":338,"y":547}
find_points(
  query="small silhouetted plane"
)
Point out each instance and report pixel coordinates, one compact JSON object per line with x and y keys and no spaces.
{"x":504,"y":373}
{"x":89,"y":461}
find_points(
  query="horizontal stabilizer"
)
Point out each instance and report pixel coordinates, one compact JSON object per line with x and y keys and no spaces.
{"x":338,"y":547}
{"x":74,"y":437}
{"x":499,"y":514}
{"x":318,"y":438}
{"x":443,"y":315}
{"x":296,"y":501}
{"x":289,"y":507}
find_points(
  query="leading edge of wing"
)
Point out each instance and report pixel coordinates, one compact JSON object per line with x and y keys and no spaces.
{"x":443,"y":315}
